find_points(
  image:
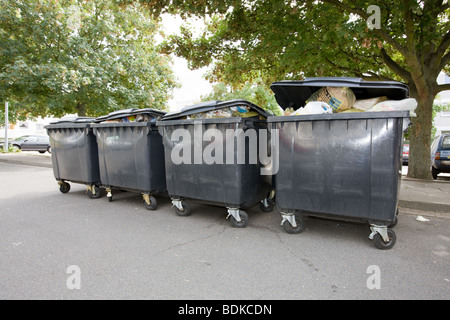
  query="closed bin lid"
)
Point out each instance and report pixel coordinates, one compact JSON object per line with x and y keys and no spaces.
{"x":213,"y":105}
{"x":293,"y":94}
{"x":71,"y":122}
{"x":74,"y":119}
{"x":130,"y":112}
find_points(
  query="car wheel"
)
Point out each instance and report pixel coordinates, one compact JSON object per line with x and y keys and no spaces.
{"x":434,"y":172}
{"x":49,"y":150}
{"x":15,"y":148}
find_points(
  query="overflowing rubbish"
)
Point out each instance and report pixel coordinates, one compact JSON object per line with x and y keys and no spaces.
{"x":132,"y":118}
{"x":313,"y":107}
{"x":222,"y":171}
{"x":366,"y":104}
{"x":339,"y":99}
{"x":227,"y":112}
{"x":342,"y":100}
{"x":409,"y":104}
{"x":360,"y":151}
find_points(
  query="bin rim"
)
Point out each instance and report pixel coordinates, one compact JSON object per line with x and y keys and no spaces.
{"x":294,"y":93}
{"x":122,"y":124}
{"x":210,"y":106}
{"x":233,"y":120}
{"x":341,"y":116}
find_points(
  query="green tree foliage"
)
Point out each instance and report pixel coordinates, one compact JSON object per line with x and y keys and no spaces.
{"x":279,"y":39}
{"x":85,"y":57}
{"x":254,"y":92}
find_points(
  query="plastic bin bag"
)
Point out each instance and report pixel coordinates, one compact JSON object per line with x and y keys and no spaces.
{"x":409,"y":104}
{"x":365,"y":104}
{"x":313,"y":107}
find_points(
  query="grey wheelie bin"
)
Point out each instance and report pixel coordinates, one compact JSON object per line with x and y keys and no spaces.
{"x":211,"y":157}
{"x":131,"y":154}
{"x":74,"y":154}
{"x":340,"y":165}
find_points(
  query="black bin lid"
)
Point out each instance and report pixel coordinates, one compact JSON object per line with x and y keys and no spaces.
{"x":71,"y":122}
{"x":74,"y":119}
{"x":213,"y":105}
{"x":293,"y":94}
{"x":130,"y":112}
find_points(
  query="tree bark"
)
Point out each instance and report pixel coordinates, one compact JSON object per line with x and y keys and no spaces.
{"x":81,"y":109}
{"x":420,"y":133}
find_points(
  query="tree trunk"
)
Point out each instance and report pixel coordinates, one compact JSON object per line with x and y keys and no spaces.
{"x":420,"y":134}
{"x":81,"y":109}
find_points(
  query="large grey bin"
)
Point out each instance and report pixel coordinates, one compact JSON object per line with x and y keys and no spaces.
{"x":228,"y":182}
{"x":340,"y":165}
{"x":131,"y":154}
{"x":74,"y":154}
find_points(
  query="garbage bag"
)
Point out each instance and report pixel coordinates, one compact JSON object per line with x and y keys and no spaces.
{"x":365,"y":104}
{"x":409,"y":104}
{"x":313,"y":107}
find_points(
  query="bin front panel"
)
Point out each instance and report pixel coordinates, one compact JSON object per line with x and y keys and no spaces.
{"x":74,"y":154}
{"x":343,"y":167}
{"x":131,"y":156}
{"x":221,"y":179}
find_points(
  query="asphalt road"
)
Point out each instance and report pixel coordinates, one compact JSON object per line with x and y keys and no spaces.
{"x":67,"y":246}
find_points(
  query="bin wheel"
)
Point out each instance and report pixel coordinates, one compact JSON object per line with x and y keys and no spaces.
{"x":153,"y":203}
{"x":240,"y":224}
{"x":96,"y":195}
{"x":270,"y":205}
{"x":290,"y":229}
{"x":186,"y":209}
{"x":64,"y":187}
{"x":381,"y":244}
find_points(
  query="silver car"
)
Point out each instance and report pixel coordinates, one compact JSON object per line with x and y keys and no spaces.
{"x":32,"y":143}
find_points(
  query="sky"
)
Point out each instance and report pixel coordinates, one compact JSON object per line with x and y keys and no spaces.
{"x":193,"y":85}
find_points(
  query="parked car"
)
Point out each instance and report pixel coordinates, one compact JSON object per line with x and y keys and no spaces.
{"x":440,"y":155}
{"x":405,"y":153}
{"x":32,"y":143}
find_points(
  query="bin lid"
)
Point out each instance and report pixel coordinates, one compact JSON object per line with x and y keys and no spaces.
{"x":130,"y":112}
{"x":213,"y":105}
{"x":293,"y":94}
{"x":74,"y":119}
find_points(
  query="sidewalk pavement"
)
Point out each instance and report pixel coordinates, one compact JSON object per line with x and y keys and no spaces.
{"x":429,"y":198}
{"x":31,"y":158}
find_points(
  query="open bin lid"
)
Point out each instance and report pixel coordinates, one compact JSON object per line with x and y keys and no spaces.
{"x":213,"y":105}
{"x":125,"y":113}
{"x":293,"y":94}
